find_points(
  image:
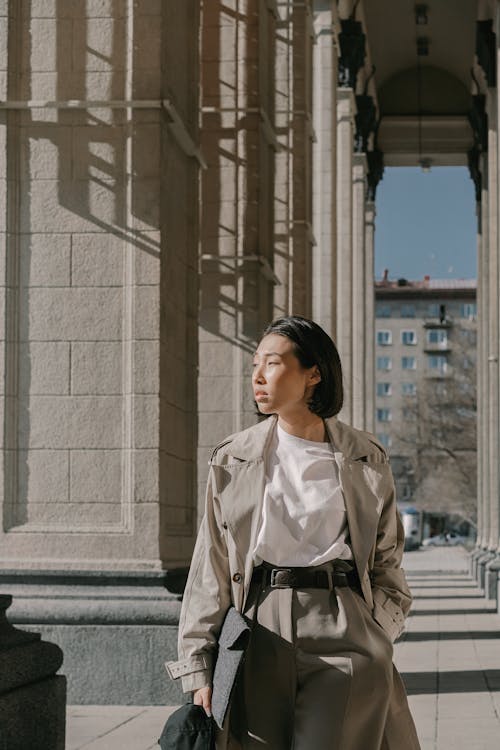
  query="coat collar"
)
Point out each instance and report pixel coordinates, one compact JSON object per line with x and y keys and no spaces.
{"x":250,"y":444}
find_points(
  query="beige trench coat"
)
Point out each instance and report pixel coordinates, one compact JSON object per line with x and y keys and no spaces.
{"x":221,"y":567}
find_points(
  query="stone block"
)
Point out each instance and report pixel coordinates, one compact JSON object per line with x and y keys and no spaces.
{"x":147,"y":41}
{"x":214,"y":426}
{"x":146,"y":421}
{"x":147,"y":258}
{"x":126,"y":666}
{"x":146,"y":204}
{"x":216,"y":358}
{"x":67,"y":422}
{"x":146,"y":476}
{"x":3,"y":84}
{"x":147,"y":312}
{"x":43,"y":475}
{"x":49,"y":45}
{"x":45,"y":260}
{"x":71,"y":516}
{"x":146,"y":151}
{"x":97,"y":260}
{"x":147,"y":367}
{"x":78,"y":206}
{"x":78,"y":313}
{"x":44,"y":368}
{"x":96,"y":368}
{"x":45,"y":153}
{"x":102,"y":47}
{"x":95,"y":476}
{"x":177,"y":481}
{"x":98,"y":151}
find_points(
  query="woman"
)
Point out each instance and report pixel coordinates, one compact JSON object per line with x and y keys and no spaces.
{"x":301,"y":534}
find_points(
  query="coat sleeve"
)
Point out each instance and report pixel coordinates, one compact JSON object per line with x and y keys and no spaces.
{"x":391,"y":595}
{"x":207,"y":597}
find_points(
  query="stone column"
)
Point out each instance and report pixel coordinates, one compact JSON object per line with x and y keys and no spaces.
{"x":99,"y":409}
{"x":370,"y":315}
{"x":483,"y":520}
{"x":493,"y":332}
{"x":239,"y":141}
{"x":492,"y":587}
{"x":359,"y":291}
{"x":325,"y":66}
{"x":345,"y":135}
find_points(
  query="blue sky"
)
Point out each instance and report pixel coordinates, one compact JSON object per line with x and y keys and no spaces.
{"x":426,"y":224}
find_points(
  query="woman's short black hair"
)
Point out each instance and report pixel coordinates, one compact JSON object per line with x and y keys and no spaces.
{"x":313,"y":346}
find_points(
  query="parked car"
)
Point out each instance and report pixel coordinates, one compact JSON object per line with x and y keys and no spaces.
{"x":446,"y":539}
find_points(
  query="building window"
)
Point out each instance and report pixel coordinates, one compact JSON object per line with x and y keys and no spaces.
{"x":409,"y":389}
{"x":409,"y":338}
{"x":409,"y":414}
{"x":384,"y":338}
{"x":384,"y":363}
{"x":407,"y":311}
{"x":384,"y":439}
{"x":383,"y":311}
{"x":384,"y":415}
{"x":433,"y":310}
{"x":437,"y":363}
{"x":384,"y":389}
{"x":438,"y":337}
{"x":409,"y":363}
{"x":468,"y":310}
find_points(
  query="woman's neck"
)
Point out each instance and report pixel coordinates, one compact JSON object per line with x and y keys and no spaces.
{"x":305,"y":427}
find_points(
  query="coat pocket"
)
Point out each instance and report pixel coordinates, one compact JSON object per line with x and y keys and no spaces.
{"x":233,"y":641}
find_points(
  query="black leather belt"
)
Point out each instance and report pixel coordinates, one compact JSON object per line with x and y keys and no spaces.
{"x":304,"y":578}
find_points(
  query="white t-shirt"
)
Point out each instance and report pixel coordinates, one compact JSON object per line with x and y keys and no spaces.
{"x":303,"y":514}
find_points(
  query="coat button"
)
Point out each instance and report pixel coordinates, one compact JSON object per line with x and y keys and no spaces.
{"x":224,"y":525}
{"x":237,"y":577}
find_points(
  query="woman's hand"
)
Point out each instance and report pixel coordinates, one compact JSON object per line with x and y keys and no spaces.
{"x":203,"y":697}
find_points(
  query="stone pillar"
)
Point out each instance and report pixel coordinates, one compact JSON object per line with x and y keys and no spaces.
{"x":483,"y":520}
{"x":345,"y":134}
{"x":370,"y":315}
{"x":303,"y":240}
{"x":32,"y":695}
{"x":493,"y":332}
{"x":238,"y":142}
{"x":359,"y":283}
{"x":283,"y":183}
{"x":492,"y":581}
{"x":325,"y":65}
{"x":100,"y":309}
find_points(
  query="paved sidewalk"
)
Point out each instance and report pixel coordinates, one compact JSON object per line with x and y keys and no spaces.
{"x":450,"y":654}
{"x":449,"y":658}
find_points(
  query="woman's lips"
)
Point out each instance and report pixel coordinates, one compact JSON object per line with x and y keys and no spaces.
{"x":260,"y":394}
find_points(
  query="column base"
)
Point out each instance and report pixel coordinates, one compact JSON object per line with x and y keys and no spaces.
{"x":116,"y":630}
{"x":482,"y":562}
{"x":473,"y":558}
{"x":492,"y":572}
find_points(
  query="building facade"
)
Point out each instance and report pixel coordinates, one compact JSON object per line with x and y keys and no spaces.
{"x":426,"y":395}
{"x":173,"y":175}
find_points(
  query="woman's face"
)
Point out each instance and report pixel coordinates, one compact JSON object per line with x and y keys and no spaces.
{"x":280,"y":384}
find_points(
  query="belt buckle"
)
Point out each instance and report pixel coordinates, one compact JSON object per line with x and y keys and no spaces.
{"x":275,"y":574}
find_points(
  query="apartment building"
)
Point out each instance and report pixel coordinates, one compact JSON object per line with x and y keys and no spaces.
{"x":425,"y":378}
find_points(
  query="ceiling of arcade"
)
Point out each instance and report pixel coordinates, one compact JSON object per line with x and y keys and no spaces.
{"x":420,"y":69}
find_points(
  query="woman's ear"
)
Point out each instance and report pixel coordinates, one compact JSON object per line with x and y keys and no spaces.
{"x":315,"y":376}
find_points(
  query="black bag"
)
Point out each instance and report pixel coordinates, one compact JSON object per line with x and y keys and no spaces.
{"x":188,"y":728}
